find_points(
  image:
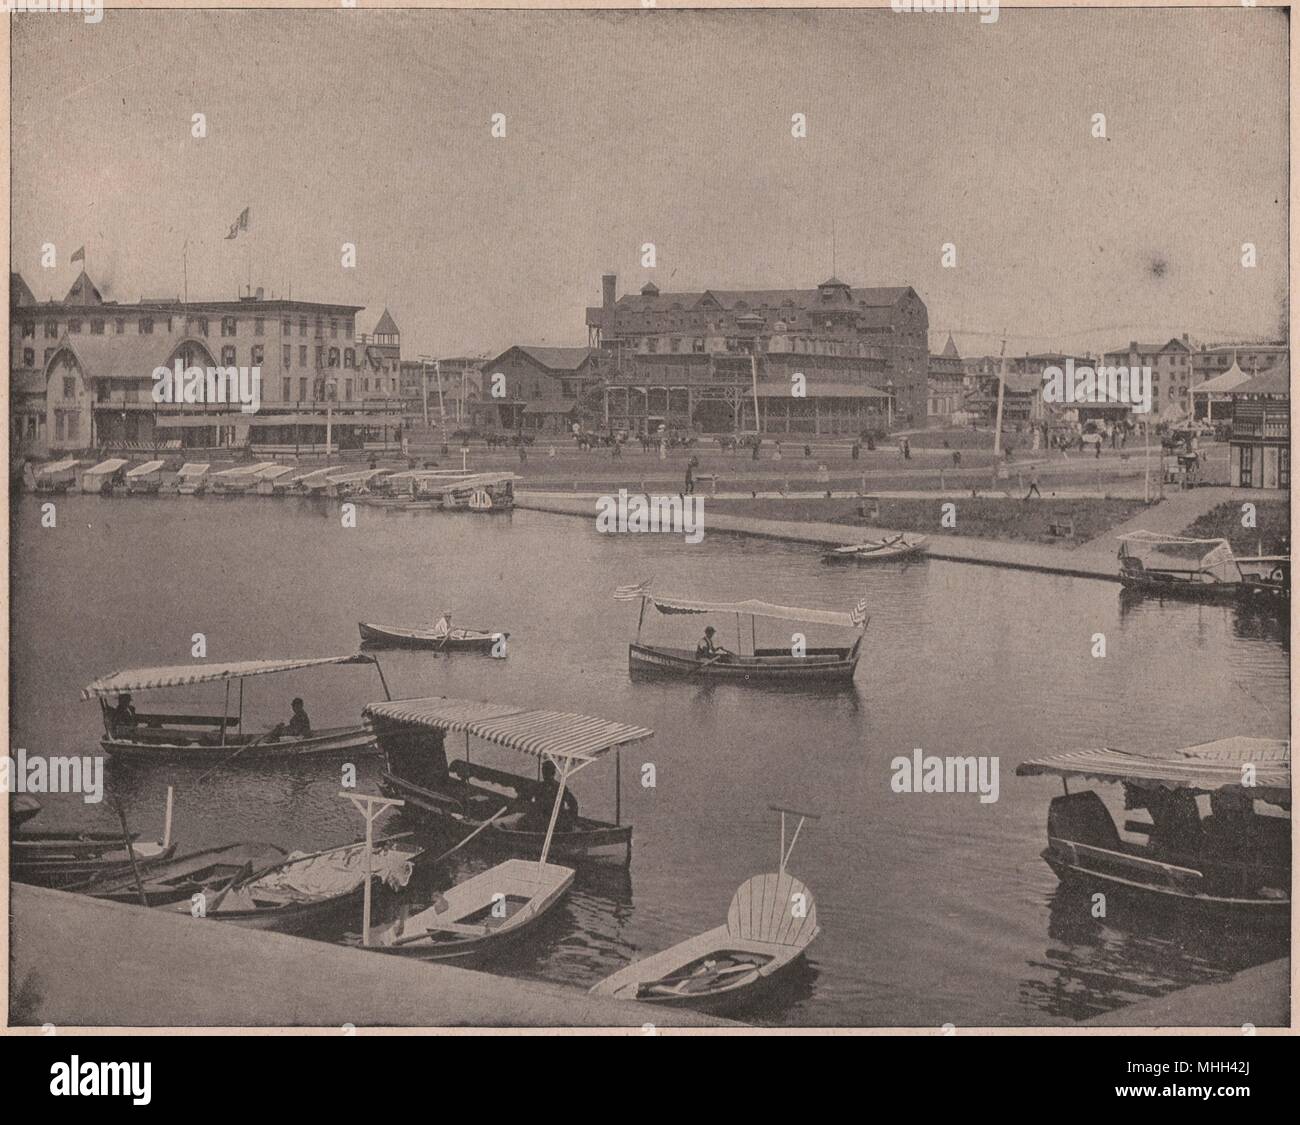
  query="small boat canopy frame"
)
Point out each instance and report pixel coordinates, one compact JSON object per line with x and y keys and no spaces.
{"x":57,"y":467}
{"x":145,"y":679}
{"x":1259,"y":766}
{"x":570,"y":742}
{"x":1140,"y":543}
{"x":193,"y":469}
{"x":104,"y":467}
{"x":144,"y":470}
{"x":786,"y":853}
{"x":241,"y":471}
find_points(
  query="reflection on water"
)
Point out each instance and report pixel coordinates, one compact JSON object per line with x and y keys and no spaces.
{"x":933,"y":908}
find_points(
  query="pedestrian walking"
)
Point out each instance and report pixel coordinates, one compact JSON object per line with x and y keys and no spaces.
{"x":1033,"y":484}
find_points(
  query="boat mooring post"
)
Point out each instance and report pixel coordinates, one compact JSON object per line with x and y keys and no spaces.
{"x":167,"y":818}
{"x":365,"y":804}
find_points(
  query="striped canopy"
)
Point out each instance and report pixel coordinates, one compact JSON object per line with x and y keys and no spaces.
{"x":1205,"y":768}
{"x":550,"y":734}
{"x":754,"y":608}
{"x":143,"y":679}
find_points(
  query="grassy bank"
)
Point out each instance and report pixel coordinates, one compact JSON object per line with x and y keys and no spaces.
{"x":1272,"y":530}
{"x":986,"y":518}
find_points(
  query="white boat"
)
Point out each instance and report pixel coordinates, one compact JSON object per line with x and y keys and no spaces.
{"x":100,"y":478}
{"x":57,"y":476}
{"x":879,"y":550}
{"x":192,"y":478}
{"x":771,"y":922}
{"x":477,"y":917}
{"x":144,"y":479}
{"x":240,"y":479}
{"x":266,"y":479}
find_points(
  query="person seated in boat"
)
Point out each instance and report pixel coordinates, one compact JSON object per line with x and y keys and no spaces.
{"x":538,"y":814}
{"x":122,"y":716}
{"x":708,"y":648}
{"x":298,"y":726}
{"x":1177,"y":829}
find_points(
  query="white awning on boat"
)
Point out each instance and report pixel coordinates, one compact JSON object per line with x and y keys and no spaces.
{"x":244,"y":470}
{"x":551,"y":734}
{"x":146,"y":679}
{"x":354,"y":477}
{"x":109,"y":466}
{"x":56,"y":467}
{"x":1205,"y":768}
{"x":193,"y":469}
{"x":144,"y":470}
{"x":754,"y":608}
{"x":275,"y":472}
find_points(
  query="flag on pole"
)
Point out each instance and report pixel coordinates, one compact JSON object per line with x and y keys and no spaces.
{"x":79,"y":255}
{"x":859,"y":614}
{"x":631,"y":593}
{"x":239,"y":224}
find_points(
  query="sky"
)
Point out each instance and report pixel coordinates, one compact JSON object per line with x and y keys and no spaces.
{"x":674,"y":128}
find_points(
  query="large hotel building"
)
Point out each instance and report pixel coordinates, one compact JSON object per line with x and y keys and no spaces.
{"x":81,"y":372}
{"x":710,"y":359}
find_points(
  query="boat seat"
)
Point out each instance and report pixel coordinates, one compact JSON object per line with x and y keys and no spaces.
{"x":763,"y":910}
{"x":1083,"y":818}
{"x":473,"y":771}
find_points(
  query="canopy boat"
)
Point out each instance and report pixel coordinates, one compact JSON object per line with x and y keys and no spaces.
{"x":1237,"y":858}
{"x":191,"y":738}
{"x":880,"y":550}
{"x":191,"y":480}
{"x":445,"y":490}
{"x":343,"y":485}
{"x":311,"y":483}
{"x":440,"y":637}
{"x":58,"y":476}
{"x":100,"y":478}
{"x":144,"y":480}
{"x":302,"y":892}
{"x":761,"y":666}
{"x":239,"y":480}
{"x":467,"y":795}
{"x":181,"y":877}
{"x":265,"y":482}
{"x":1171,"y":564}
{"x":475,"y":919}
{"x":482,"y":492}
{"x":771,"y":922}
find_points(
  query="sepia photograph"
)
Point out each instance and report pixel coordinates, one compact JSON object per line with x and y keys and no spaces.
{"x":649,"y":520}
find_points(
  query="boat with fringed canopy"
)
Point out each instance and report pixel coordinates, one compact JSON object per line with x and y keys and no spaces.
{"x":193,"y":738}
{"x":1200,"y":569}
{"x":797,"y":664}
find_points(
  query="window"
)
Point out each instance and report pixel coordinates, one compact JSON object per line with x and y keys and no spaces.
{"x":69,"y":386}
{"x":365,"y":385}
{"x":1247,"y":462}
{"x":302,"y":326}
{"x":334,"y":326}
{"x":349,"y":327}
{"x":1284,"y":467}
{"x":29,"y":357}
{"x":29,"y":330}
{"x":203,"y":326}
{"x":288,"y":389}
{"x":349,"y":358}
{"x":74,"y":327}
{"x":286,"y":326}
{"x":58,"y":425}
{"x":302,"y":355}
{"x":347,"y":389}
{"x":96,"y":327}
{"x":72,"y":427}
{"x":287,"y":356}
{"x":146,"y":326}
{"x":302,"y":388}
{"x":228,"y":355}
{"x":334,"y":357}
{"x":51,"y":329}
{"x":320,"y":326}
{"x":119,"y":325}
{"x":229,"y":326}
{"x":49,"y":352}
{"x":259,"y":326}
{"x":320,"y":355}
{"x":259,"y":355}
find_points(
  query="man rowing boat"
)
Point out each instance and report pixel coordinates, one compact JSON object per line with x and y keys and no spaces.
{"x":707,"y":649}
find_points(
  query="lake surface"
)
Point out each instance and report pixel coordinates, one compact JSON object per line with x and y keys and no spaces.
{"x":934,"y":908}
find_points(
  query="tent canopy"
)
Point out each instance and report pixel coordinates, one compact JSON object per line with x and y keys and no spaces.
{"x":753,"y":608}
{"x":145,"y":679}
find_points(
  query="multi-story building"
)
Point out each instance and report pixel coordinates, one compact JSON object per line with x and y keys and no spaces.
{"x":723,"y":360}
{"x":82,"y":372}
{"x":1172,"y":376}
{"x":1211,"y":360}
{"x":536,"y":389}
{"x":945,"y":385}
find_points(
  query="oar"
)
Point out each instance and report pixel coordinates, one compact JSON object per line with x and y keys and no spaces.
{"x":325,"y":851}
{"x":471,"y":836}
{"x":713,"y":660}
{"x":130,"y":853}
{"x":244,"y":873}
{"x":227,"y":761}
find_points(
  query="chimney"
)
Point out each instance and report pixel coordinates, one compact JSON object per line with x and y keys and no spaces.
{"x":609,"y":287}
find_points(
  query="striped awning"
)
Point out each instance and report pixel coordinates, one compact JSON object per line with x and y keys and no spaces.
{"x":145,"y":679}
{"x":551,"y":734}
{"x":1205,"y":768}
{"x":754,"y":608}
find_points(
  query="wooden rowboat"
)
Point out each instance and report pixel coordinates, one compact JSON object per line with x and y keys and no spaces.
{"x":432,"y":638}
{"x":62,"y":859}
{"x":879,"y":550}
{"x":771,"y":922}
{"x":183,"y":876}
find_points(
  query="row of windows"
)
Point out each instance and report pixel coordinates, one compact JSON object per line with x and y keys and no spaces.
{"x":199,"y":324}
{"x":321,"y":390}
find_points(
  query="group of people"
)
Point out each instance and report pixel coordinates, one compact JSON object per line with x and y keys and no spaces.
{"x":123,"y":719}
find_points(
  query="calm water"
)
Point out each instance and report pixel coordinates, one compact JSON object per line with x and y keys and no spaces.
{"x":934,"y":908}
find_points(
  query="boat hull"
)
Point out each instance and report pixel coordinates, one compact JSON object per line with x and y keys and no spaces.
{"x":382,"y":636}
{"x":818,"y":667}
{"x":341,"y":741}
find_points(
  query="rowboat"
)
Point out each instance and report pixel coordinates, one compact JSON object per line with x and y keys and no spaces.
{"x":1157,"y":564}
{"x":182,"y":876}
{"x":439,"y":638}
{"x":1237,"y":859}
{"x":771,"y":922}
{"x":100,"y":478}
{"x":302,"y":892}
{"x":798,"y":664}
{"x":60,"y":859}
{"x":476,"y":918}
{"x":144,"y":480}
{"x":879,"y":550}
{"x":199,"y":738}
{"x":467,"y":795}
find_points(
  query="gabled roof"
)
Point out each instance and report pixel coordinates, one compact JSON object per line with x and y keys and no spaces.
{"x":1231,"y":378}
{"x":83,"y":292}
{"x":774,"y":299}
{"x":950,"y":348}
{"x":554,"y":359}
{"x":19,"y":292}
{"x":387,"y":326}
{"x":124,"y":357}
{"x":1274,"y":381}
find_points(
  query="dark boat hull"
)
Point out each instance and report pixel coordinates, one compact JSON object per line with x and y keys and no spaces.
{"x":325,"y":743}
{"x":1173,"y":586}
{"x":819,"y":666}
